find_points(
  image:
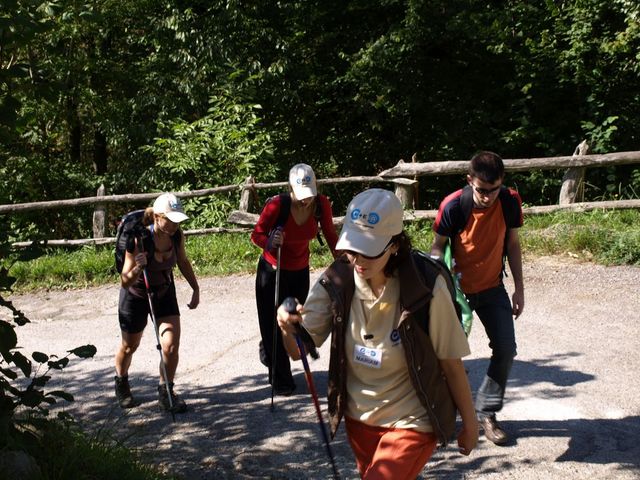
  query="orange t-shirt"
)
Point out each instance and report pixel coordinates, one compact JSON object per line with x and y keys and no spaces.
{"x":478,"y":249}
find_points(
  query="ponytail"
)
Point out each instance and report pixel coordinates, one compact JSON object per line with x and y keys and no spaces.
{"x":148,"y":217}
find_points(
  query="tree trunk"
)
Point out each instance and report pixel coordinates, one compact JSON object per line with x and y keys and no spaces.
{"x":75,"y":130}
{"x":100,"y":154}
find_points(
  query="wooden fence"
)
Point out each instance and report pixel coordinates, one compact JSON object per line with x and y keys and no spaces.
{"x":404,"y":177}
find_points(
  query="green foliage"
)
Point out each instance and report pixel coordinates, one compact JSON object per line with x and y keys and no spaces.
{"x":150,"y":96}
{"x":66,"y":452}
{"x":23,"y":396}
{"x":222,"y":254}
{"x":608,"y":237}
{"x":222,"y":148}
{"x":59,"y":268}
{"x":34,"y":398}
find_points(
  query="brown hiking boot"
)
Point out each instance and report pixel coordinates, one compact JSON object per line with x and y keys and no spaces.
{"x":123,"y":392}
{"x":179,"y":405}
{"x":493,"y":431}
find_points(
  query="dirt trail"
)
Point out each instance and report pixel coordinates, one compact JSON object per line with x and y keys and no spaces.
{"x":572,"y":403}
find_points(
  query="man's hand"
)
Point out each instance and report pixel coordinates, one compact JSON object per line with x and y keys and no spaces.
{"x":517,"y":300}
{"x":468,"y":438}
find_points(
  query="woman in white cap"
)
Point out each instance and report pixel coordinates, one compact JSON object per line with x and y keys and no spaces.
{"x":395,"y":372}
{"x":289,"y":222}
{"x":160,"y":248}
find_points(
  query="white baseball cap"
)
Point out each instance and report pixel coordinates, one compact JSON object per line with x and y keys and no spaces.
{"x":373,"y":218}
{"x":170,"y":205}
{"x":303,"y":181}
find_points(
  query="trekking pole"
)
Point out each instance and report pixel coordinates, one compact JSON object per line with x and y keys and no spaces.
{"x":274,"y":354}
{"x":155,"y":328}
{"x":290,"y":307}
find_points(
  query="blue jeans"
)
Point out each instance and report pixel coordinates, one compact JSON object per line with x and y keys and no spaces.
{"x":493,"y":307}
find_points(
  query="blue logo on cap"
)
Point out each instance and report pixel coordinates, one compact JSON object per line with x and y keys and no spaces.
{"x":304,"y":181}
{"x":371,"y":218}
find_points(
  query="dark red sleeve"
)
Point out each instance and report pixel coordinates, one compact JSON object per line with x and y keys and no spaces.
{"x":326,"y":223}
{"x":266,"y":222}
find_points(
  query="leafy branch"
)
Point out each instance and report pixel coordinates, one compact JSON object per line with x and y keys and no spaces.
{"x":14,"y":395}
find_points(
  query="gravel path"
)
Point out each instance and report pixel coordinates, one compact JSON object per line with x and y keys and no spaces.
{"x":572,"y":406}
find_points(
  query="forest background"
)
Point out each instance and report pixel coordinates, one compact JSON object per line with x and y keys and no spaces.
{"x":145,"y":96}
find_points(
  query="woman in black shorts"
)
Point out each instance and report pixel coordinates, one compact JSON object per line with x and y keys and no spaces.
{"x":158,"y":251}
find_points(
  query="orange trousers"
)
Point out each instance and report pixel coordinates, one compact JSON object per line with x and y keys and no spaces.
{"x":389,"y":453}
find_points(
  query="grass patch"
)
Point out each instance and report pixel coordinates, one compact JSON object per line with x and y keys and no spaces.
{"x":62,"y":451}
{"x":607,"y":237}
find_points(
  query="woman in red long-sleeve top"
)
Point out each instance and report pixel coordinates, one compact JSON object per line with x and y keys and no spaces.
{"x":293,"y":238}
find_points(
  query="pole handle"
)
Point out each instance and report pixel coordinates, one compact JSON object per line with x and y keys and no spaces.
{"x":290,"y":306}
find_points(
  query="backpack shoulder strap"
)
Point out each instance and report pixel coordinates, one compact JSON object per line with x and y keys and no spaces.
{"x":510,"y":208}
{"x":511,"y":213}
{"x":466,"y":206}
{"x":177,"y":238}
{"x":285,"y":209}
{"x":460,"y":215}
{"x":318,"y":215}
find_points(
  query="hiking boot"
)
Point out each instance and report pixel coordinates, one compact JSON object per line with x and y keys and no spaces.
{"x":123,"y":392}
{"x":493,"y":431}
{"x":179,"y":405}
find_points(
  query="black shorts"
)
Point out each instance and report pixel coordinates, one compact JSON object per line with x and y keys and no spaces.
{"x":133,"y":311}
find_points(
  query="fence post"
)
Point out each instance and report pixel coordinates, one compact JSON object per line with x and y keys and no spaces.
{"x":416,"y":189}
{"x":572,"y":190}
{"x":247,"y":196}
{"x":405,"y":189}
{"x":99,"y":214}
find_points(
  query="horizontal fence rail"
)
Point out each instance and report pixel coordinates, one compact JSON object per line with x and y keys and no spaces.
{"x":451,"y":167}
{"x":147,"y":197}
{"x":125,"y":198}
{"x":398,"y":175}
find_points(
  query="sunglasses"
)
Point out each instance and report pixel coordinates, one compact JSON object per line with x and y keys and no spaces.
{"x":367,"y":257}
{"x":486,"y":191}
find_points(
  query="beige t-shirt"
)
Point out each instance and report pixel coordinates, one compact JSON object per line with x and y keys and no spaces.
{"x":380,"y":391}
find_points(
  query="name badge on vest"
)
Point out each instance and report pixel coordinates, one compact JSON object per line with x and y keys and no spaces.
{"x":369,"y":357}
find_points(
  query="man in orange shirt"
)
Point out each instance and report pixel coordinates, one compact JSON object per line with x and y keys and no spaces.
{"x":482,"y":221}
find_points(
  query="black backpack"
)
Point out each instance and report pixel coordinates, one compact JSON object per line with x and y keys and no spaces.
{"x":429,"y":267}
{"x":130,"y":227}
{"x":285,"y":209}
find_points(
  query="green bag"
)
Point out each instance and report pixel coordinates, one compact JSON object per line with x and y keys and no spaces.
{"x":467,"y":314}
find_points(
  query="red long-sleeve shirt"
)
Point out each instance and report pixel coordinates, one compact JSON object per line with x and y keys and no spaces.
{"x":295,"y":248}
